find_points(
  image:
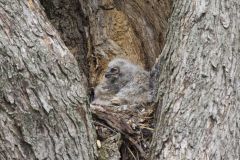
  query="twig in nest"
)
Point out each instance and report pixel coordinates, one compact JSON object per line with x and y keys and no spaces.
{"x":138,"y":147}
{"x":105,"y":126}
{"x":131,"y":153}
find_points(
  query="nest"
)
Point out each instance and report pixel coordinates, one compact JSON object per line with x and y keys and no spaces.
{"x":124,"y":132}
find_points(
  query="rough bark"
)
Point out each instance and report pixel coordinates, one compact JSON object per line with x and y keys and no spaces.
{"x":199,"y":75}
{"x":67,"y":17}
{"x":43,"y":101}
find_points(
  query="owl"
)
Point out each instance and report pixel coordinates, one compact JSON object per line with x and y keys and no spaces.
{"x":123,"y":83}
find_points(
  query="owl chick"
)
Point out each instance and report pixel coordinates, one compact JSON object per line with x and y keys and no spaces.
{"x":124,"y":83}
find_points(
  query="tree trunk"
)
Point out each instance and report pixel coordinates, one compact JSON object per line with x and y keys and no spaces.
{"x":198,"y":88}
{"x":43,"y":100}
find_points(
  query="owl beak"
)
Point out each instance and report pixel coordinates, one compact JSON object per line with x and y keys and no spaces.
{"x":107,"y":75}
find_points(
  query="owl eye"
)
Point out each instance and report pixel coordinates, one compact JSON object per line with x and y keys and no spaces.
{"x":114,"y":70}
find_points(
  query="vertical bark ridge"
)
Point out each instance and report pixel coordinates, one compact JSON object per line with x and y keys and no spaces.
{"x":43,"y":99}
{"x":198,"y":83}
{"x":68,"y":18}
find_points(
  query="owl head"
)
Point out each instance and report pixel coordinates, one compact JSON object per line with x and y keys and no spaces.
{"x":120,"y":71}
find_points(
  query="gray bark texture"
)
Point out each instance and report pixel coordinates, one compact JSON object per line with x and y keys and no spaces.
{"x":199,"y":80}
{"x":68,"y":19}
{"x":43,"y":96}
